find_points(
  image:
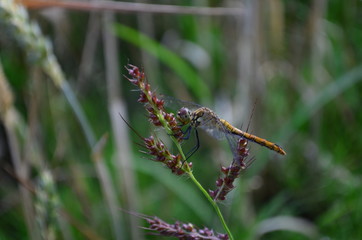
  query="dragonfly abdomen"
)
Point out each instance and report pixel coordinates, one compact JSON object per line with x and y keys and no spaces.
{"x":261,"y":141}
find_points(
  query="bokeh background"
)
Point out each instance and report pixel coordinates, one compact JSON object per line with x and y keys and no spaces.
{"x":288,"y":71}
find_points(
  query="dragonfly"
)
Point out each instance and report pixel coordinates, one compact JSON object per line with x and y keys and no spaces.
{"x":197,"y":116}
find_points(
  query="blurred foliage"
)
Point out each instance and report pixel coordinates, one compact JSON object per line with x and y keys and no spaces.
{"x":301,"y":61}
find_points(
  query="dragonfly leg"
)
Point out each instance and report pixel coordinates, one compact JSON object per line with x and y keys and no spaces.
{"x":187,"y":133}
{"x":196,"y":147}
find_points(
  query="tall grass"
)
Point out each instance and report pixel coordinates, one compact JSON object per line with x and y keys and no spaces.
{"x":299,"y":61}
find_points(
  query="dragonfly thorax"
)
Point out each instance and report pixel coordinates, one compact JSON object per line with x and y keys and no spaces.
{"x":197,"y":116}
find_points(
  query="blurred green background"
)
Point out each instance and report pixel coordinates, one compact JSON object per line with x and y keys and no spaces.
{"x":298,"y":64}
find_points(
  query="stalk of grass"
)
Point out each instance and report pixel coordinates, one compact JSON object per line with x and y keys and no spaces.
{"x":39,"y":50}
{"x":46,"y":206}
{"x":20,"y":146}
{"x":89,"y":50}
{"x":135,"y":7}
{"x":146,"y":24}
{"x":14,"y":128}
{"x":116,"y":106}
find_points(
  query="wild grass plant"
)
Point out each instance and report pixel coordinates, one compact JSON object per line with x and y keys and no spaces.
{"x":178,"y":164}
{"x":62,"y":94}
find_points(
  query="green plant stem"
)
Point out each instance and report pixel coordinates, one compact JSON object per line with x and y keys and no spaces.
{"x":179,"y":148}
{"x":202,"y":189}
{"x":213,"y":203}
{"x":187,"y":169}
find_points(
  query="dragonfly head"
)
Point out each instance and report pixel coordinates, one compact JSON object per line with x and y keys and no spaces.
{"x":183,"y":115}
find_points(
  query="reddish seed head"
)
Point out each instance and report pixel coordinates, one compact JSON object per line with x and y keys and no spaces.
{"x":157,"y":116}
{"x":142,"y":98}
{"x":149,"y":141}
{"x":232,"y":172}
{"x":189,"y":227}
{"x":134,"y":81}
{"x":178,"y":171}
{"x":177,"y":157}
{"x":221,"y":197}
{"x":173,"y":123}
{"x":154,"y":98}
{"x":133,"y":70}
{"x":156,"y":122}
{"x":219,"y":182}
{"x":183,"y":231}
{"x":212,"y":193}
{"x":242,"y":143}
{"x":229,"y":183}
{"x":142,"y":75}
{"x":169,"y":163}
{"x":161,"y":159}
{"x":160,"y":103}
{"x":224,"y":170}
{"x":161,"y":154}
{"x":243,"y":152}
{"x":150,"y":109}
{"x":166,"y":116}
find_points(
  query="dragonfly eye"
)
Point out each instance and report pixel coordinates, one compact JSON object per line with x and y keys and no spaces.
{"x":183,"y":115}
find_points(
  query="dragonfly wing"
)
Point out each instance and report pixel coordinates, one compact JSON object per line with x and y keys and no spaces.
{"x":176,"y":104}
{"x":233,"y":143}
{"x":215,"y":128}
{"x":213,"y":131}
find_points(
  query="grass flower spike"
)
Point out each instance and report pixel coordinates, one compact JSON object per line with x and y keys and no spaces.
{"x":154,"y":106}
{"x":240,"y":162}
{"x":160,"y":118}
{"x":185,"y":231}
{"x":157,"y":149}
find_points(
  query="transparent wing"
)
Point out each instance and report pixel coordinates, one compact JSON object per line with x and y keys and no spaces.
{"x":213,"y":126}
{"x":219,"y":131}
{"x":216,"y":133}
{"x":175,"y":104}
{"x":233,"y":142}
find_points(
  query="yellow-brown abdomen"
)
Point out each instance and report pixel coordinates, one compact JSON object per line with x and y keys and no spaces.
{"x":253,"y":138}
